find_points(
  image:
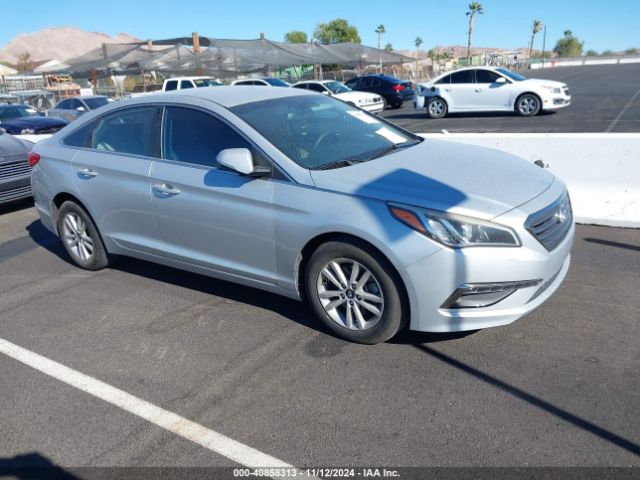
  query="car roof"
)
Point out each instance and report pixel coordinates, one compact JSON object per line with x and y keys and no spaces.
{"x":228,"y":96}
{"x":85,"y":97}
{"x":6,"y":105}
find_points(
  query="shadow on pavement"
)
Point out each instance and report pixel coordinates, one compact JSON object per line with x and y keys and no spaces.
{"x":564,"y":415}
{"x":16,"y":205}
{"x":33,"y":466}
{"x":610,"y":243}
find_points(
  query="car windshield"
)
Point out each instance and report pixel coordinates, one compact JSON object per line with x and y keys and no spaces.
{"x":337,"y":87}
{"x":94,"y":103}
{"x":276,"y":82}
{"x":17,"y":111}
{"x":512,"y":75}
{"x":206,"y":82}
{"x":318,"y":132}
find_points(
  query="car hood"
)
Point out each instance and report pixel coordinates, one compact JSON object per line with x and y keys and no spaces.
{"x":355,"y":96}
{"x":540,"y":82}
{"x":444,"y":176}
{"x":10,"y":146}
{"x":34,"y":122}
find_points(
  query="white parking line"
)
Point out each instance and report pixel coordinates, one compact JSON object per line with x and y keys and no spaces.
{"x":622,"y":112}
{"x":214,"y":441}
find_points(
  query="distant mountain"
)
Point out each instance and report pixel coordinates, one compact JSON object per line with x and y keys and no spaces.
{"x":59,"y":43}
{"x":459,"y":51}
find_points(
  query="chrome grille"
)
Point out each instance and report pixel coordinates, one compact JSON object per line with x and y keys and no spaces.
{"x":551,"y":225}
{"x":19,"y":168}
{"x":16,"y":193}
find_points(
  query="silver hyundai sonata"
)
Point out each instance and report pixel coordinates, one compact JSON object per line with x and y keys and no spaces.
{"x":312,"y":198}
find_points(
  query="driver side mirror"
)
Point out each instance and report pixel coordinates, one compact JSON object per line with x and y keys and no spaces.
{"x":324,"y":92}
{"x":501,"y":80}
{"x":240,"y":160}
{"x":81,"y":109}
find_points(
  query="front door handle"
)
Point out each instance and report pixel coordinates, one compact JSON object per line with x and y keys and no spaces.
{"x":447,"y":89}
{"x":478,"y":90}
{"x":166,"y":189}
{"x":87,"y":173}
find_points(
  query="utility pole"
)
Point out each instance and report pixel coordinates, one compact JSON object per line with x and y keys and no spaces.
{"x":544,"y":44}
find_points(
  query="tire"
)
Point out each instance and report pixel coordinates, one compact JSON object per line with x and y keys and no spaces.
{"x":382,"y":289}
{"x":396,"y":105}
{"x":528,"y":105}
{"x":437,"y":107}
{"x":385,"y":104}
{"x":80,"y":237}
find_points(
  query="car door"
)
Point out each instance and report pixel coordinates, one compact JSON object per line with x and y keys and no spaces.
{"x":460,"y":93}
{"x":210,"y":216}
{"x":112,"y":173}
{"x":491,"y":95}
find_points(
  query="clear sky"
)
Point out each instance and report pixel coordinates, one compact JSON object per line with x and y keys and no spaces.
{"x":602,"y":25}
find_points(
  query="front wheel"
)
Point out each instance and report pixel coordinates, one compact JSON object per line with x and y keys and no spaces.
{"x":528,"y":105}
{"x":437,"y":107}
{"x":354,"y":292}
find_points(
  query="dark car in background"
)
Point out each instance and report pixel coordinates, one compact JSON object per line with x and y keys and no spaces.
{"x":18,"y":119}
{"x":70,"y":109}
{"x":15,"y":173}
{"x":393,"y":90}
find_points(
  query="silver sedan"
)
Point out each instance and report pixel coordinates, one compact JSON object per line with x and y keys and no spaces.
{"x":308,"y":197}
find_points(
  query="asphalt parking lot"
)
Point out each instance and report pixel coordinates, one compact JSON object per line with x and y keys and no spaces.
{"x":605,"y":98}
{"x":560,"y":387}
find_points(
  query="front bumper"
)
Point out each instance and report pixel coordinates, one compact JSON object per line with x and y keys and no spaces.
{"x":373,"y":107}
{"x":556,"y":101}
{"x":432,"y":281}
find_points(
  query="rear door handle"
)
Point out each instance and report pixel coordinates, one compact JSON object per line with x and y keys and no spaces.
{"x":87,"y":172}
{"x":478,"y":90}
{"x":166,"y":189}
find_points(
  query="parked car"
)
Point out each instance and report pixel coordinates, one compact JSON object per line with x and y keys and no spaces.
{"x":181,"y":83}
{"x":488,"y":89}
{"x":15,"y":174}
{"x":262,"y":82}
{"x":367,"y":101}
{"x":70,"y":109}
{"x":19,"y":119}
{"x":394,"y":91}
{"x":308,"y":197}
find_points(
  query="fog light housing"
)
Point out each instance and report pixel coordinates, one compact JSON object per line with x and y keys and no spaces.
{"x":478,"y":295}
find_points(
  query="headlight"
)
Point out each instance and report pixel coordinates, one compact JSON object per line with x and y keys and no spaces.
{"x":26,"y":131}
{"x":456,"y":231}
{"x":552,"y":89}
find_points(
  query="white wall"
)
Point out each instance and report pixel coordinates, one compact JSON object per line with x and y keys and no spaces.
{"x":602,"y":170}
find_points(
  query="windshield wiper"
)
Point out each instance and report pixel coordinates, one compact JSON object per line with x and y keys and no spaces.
{"x":338,"y":164}
{"x":391,"y":148}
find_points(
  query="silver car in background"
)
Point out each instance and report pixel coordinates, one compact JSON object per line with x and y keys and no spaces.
{"x":308,"y":197}
{"x":15,"y":174}
{"x":72,"y":108}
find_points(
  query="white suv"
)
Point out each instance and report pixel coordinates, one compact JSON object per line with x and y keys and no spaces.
{"x":487,"y":89}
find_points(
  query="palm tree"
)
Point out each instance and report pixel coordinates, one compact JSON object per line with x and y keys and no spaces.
{"x":418,"y":41}
{"x":380,"y":31}
{"x":474,"y":9}
{"x":537,"y":26}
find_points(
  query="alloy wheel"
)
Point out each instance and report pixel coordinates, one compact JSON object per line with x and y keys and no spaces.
{"x":350,"y":294}
{"x":77,"y":238}
{"x":528,"y":105}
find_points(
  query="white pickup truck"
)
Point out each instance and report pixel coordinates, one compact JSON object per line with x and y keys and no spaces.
{"x":180,"y":83}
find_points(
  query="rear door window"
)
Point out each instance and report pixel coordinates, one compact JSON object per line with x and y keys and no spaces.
{"x":462,"y":77}
{"x":486,"y":76}
{"x":132,"y":131}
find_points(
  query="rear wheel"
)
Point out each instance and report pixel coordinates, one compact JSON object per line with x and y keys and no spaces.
{"x":437,"y":107}
{"x":528,"y":105}
{"x":354,"y":292}
{"x":80,"y":237}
